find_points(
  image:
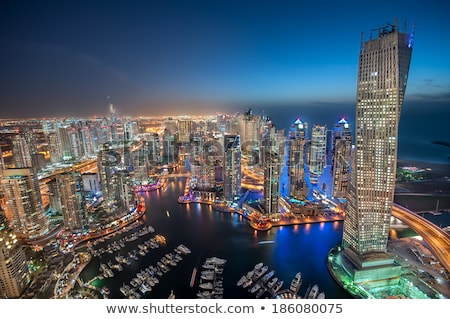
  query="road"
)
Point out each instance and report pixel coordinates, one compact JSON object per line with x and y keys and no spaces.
{"x":436,"y":238}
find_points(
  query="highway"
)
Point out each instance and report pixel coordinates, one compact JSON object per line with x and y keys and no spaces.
{"x":436,"y":238}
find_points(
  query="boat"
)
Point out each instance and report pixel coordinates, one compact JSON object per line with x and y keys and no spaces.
{"x":255,"y":288}
{"x":206,"y":285}
{"x":247,"y":283}
{"x":125,"y":290}
{"x":313,"y":292}
{"x":241,"y":280}
{"x":277,"y":286}
{"x":144,"y":288}
{"x":272,"y":282}
{"x":205,"y":294}
{"x":259,"y":273}
{"x":296,"y":283}
{"x":184,"y":249}
{"x":267,"y":276}
{"x":216,"y":261}
{"x":260,"y":292}
{"x":258,"y":266}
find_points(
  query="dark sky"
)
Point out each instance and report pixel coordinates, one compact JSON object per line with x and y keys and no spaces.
{"x":72,"y":58}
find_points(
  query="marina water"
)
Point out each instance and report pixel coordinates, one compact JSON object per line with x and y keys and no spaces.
{"x":207,"y":233}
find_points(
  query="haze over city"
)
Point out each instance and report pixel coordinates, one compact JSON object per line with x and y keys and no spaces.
{"x":170,"y":57}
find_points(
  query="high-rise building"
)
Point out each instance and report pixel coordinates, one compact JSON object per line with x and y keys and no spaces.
{"x":184,"y":130}
{"x":318,"y":152}
{"x":108,"y":161}
{"x":21,"y":152}
{"x":232,"y":167}
{"x":341,"y":155}
{"x":24,"y":208}
{"x":382,"y":76}
{"x":296,"y":160}
{"x":249,"y":129}
{"x":14,"y":274}
{"x":272,"y":163}
{"x":70,"y":191}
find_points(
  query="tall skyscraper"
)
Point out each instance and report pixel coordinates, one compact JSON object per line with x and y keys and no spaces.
{"x":273,"y":148}
{"x":184,"y":130}
{"x":232,"y":167}
{"x":14,"y":274}
{"x":318,"y":152}
{"x":296,"y":160}
{"x":108,"y":162}
{"x":21,"y":152}
{"x":24,"y":208}
{"x":70,"y":191}
{"x":341,"y":155}
{"x":382,"y":77}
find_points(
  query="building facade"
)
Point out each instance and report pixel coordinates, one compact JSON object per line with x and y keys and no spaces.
{"x":24,"y":208}
{"x":296,"y":160}
{"x":232,"y":167}
{"x":382,"y":77}
{"x":318,"y":152}
{"x":14,"y":274}
{"x":341,"y":155}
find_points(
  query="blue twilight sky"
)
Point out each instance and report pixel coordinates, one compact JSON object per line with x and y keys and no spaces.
{"x":188,"y":57}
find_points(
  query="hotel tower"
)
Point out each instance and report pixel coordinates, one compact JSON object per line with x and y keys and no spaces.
{"x":382,"y":76}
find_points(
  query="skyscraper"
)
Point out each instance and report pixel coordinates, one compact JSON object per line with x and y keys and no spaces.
{"x":273,"y":147}
{"x":318,"y":151}
{"x":14,"y":274}
{"x":232,"y":167}
{"x":341,"y":154}
{"x":296,"y":160}
{"x":24,"y":208}
{"x":70,"y":191}
{"x":382,"y":76}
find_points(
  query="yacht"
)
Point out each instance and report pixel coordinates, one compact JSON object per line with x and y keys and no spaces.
{"x":313,"y":292}
{"x":255,"y":288}
{"x":268,"y":276}
{"x":258,"y":266}
{"x":272,"y":282}
{"x":277,"y":286}
{"x":241,"y":281}
{"x":296,"y":282}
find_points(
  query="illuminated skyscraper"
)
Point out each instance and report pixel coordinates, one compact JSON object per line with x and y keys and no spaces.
{"x":232,"y":167}
{"x":70,"y":191}
{"x":108,"y":162}
{"x":318,"y":152}
{"x":341,"y":154}
{"x":382,"y":76}
{"x":296,"y":160}
{"x":21,"y":152}
{"x":14,"y":275}
{"x":184,"y":130}
{"x":24,"y":208}
{"x":273,"y":147}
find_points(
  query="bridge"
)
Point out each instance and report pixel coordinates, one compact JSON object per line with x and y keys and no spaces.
{"x":436,"y":238}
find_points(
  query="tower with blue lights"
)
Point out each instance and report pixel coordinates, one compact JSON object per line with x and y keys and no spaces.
{"x":296,"y":160}
{"x":341,"y":155}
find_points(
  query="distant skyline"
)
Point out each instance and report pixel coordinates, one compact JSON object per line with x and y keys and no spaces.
{"x":73,"y":58}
